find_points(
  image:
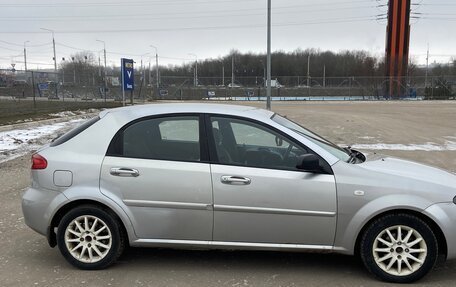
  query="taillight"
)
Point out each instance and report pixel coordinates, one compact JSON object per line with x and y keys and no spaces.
{"x":38,"y":162}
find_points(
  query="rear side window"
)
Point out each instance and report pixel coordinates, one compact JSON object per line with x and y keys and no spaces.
{"x":74,"y":132}
{"x":168,"y":138}
{"x":179,"y":130}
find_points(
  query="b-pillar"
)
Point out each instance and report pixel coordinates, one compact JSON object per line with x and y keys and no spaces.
{"x":397,"y":47}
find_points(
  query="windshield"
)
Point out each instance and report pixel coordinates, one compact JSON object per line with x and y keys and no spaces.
{"x":333,"y":149}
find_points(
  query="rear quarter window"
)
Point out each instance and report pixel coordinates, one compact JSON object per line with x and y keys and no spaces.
{"x":74,"y":132}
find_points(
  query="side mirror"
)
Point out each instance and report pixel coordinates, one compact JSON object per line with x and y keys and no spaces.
{"x":309,"y":163}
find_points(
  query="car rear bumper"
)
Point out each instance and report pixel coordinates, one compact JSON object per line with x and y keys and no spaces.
{"x":38,"y":207}
{"x":444,"y":214}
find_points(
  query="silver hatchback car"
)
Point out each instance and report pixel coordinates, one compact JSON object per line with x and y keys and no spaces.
{"x":234,"y":177}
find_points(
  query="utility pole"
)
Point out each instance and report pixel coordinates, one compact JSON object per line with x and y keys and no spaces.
{"x":34,"y":95}
{"x":156,"y":67}
{"x":223,"y":74}
{"x":63,"y":73}
{"x":324,"y":76}
{"x":196,"y":68}
{"x":264,"y":73}
{"x":104,"y":72}
{"x":150,"y":77}
{"x":268,"y":60}
{"x":308,"y":71}
{"x":99,"y":64}
{"x":232,"y":70}
{"x":74,"y":71}
{"x":55,"y":62}
{"x":427,"y":68}
{"x":143,"y":74}
{"x":25,"y":56}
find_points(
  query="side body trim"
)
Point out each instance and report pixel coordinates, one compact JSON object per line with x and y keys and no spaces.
{"x":233,"y":245}
{"x":167,"y":204}
{"x":247,"y":209}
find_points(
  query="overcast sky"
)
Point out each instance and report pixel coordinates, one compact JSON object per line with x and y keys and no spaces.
{"x":211,"y":28}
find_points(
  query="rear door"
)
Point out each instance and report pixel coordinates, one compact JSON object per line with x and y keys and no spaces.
{"x":158,"y":167}
{"x":259,"y":194}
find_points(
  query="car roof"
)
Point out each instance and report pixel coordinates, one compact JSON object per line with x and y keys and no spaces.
{"x":138,"y":111}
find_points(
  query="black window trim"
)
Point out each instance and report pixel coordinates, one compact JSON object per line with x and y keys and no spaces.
{"x":213,"y":153}
{"x":74,"y":132}
{"x":204,"y":153}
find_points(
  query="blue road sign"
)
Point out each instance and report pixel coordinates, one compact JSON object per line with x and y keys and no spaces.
{"x":43,"y":86}
{"x":128,"y":77}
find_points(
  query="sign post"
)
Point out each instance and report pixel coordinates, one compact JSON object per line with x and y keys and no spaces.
{"x":128,"y":77}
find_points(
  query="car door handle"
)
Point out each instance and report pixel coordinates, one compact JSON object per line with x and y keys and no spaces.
{"x":126,"y":172}
{"x":229,"y":179}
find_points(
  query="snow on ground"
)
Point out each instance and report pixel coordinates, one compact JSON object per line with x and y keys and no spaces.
{"x":74,"y":113}
{"x":15,"y":143}
{"x":63,"y":114}
{"x":448,"y":145}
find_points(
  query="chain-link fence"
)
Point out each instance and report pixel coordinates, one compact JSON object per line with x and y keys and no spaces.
{"x":309,"y":88}
{"x":92,"y":86}
{"x":37,"y":94}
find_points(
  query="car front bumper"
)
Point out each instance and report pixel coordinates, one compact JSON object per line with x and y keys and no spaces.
{"x":444,"y":214}
{"x":38,"y":207}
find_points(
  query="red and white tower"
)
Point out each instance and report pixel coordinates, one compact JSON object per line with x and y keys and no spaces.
{"x":397,"y":46}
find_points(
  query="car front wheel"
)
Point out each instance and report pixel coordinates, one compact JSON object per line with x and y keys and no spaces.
{"x":89,"y":238}
{"x":399,"y":248}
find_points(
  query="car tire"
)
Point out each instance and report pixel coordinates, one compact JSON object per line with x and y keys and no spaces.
{"x":89,"y":237}
{"x":399,"y":248}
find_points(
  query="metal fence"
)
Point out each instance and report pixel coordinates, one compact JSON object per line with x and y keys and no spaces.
{"x":90,"y":86}
{"x":318,"y":88}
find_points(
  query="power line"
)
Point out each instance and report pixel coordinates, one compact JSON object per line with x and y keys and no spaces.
{"x":194,"y":15}
{"x":161,"y":17}
{"x":434,"y":14}
{"x":147,"y":3}
{"x":435,"y":4}
{"x":372,"y":18}
{"x":35,"y":63}
{"x":29,"y":45}
{"x":436,"y":18}
{"x":118,"y":53}
{"x":75,"y":48}
{"x":436,"y":55}
{"x":115,"y":4}
{"x":9,"y":49}
{"x":13,"y":56}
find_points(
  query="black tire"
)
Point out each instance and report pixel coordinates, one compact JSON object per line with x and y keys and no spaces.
{"x":392,"y":221}
{"x":116,"y":242}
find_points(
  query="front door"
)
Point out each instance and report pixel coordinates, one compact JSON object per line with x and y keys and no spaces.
{"x":259,"y":194}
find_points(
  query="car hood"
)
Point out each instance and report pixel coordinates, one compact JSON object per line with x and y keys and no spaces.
{"x":409,"y":170}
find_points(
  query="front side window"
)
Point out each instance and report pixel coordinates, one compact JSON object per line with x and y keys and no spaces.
{"x":168,"y":138}
{"x":335,"y":150}
{"x":241,"y":142}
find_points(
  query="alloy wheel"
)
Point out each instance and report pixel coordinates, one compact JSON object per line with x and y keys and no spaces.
{"x":399,"y":250}
{"x":88,"y":239}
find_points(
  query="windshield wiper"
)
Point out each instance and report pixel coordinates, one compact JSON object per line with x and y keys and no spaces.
{"x":353,"y":155}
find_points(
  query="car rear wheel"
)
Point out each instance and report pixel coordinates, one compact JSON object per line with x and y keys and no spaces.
{"x":399,"y":248}
{"x":89,"y":238}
